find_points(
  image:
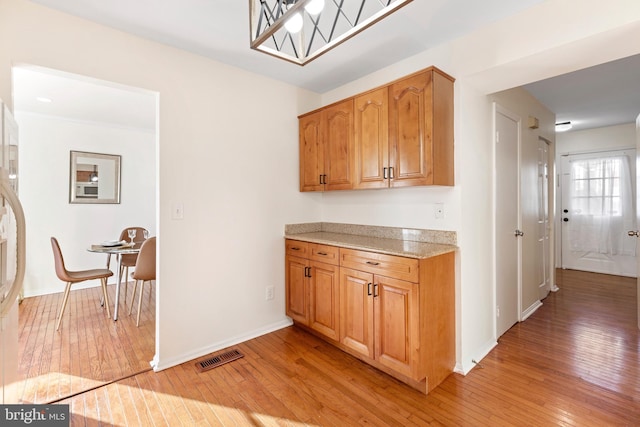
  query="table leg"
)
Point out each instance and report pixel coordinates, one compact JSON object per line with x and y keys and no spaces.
{"x":115,"y":310}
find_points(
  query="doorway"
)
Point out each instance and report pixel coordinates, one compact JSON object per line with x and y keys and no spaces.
{"x":59,"y":112}
{"x":597,"y":210}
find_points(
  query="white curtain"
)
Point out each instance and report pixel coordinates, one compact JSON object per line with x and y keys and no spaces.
{"x":602,"y":206}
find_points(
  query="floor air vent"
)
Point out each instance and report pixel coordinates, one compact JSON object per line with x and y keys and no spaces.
{"x":219,"y":360}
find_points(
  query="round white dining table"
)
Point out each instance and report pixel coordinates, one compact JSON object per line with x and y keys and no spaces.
{"x":118,"y":251}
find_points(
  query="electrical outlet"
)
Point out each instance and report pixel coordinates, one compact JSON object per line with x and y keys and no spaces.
{"x":438,"y":210}
{"x":269,"y":292}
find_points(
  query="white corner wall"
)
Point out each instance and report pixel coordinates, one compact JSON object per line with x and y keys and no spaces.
{"x":44,"y":153}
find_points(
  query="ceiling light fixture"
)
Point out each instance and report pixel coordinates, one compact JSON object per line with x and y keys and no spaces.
{"x":301,"y":30}
{"x":563,"y":127}
{"x":94,"y":175}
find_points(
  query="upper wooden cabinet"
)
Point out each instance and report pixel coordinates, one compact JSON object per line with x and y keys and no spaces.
{"x":372,"y":139}
{"x":326,"y":148}
{"x":401,"y":135}
{"x":421,"y":130}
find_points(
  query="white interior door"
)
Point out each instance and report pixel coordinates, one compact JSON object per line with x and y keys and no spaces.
{"x":543,"y":232}
{"x":598,"y":261}
{"x":508,"y":243}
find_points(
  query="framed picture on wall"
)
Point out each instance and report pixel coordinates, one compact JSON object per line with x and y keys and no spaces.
{"x":94,"y":178}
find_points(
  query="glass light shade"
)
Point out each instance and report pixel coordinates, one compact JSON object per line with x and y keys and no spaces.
{"x":314,"y":7}
{"x":294,"y":24}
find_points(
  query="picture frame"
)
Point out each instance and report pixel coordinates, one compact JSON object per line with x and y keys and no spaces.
{"x":94,"y":178}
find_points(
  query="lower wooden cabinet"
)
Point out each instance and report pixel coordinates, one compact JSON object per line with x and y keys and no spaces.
{"x":393,"y":312}
{"x":312,"y":286}
{"x":380,"y":315}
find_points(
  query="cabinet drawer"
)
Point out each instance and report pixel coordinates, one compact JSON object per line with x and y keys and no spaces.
{"x":297,"y":248}
{"x":324,"y":253}
{"x":386,"y":265}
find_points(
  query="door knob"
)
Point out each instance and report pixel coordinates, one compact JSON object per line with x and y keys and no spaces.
{"x":519,"y":233}
{"x":633,"y":233}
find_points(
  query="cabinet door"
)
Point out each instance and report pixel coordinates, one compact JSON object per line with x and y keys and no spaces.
{"x":356,"y":311}
{"x":338,"y":145}
{"x":397,"y":324}
{"x":410,"y":131}
{"x":372,"y":139}
{"x":324,"y":299}
{"x":296,"y":289}
{"x":311,"y":152}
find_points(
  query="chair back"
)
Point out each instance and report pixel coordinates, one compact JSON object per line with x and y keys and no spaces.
{"x":61,"y":271}
{"x":146,"y":263}
{"x":130,"y":259}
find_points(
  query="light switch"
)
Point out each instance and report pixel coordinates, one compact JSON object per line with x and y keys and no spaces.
{"x":177,"y":211}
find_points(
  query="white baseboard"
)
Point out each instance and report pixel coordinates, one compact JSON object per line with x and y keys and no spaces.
{"x":159,"y":365}
{"x":467,"y":365}
{"x":532,"y":309}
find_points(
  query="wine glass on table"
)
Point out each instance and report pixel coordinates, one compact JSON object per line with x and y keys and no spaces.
{"x":131,"y":233}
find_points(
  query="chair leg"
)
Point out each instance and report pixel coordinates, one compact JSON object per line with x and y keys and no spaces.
{"x":64,"y":304}
{"x":140,"y":303}
{"x":133,"y":297}
{"x":105,"y":295}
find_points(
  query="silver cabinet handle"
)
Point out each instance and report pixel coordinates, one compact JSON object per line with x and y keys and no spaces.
{"x":635,"y":233}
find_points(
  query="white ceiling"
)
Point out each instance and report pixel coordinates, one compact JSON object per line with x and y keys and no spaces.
{"x":604,"y":95}
{"x":219,"y":29}
{"x":82,"y":99}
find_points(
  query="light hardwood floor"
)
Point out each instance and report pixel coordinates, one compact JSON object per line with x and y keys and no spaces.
{"x":575,"y":362}
{"x":89,"y":350}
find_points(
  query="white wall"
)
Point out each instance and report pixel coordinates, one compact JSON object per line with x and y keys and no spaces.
{"x":598,"y":139}
{"x":215,"y":263}
{"x":45,"y":145}
{"x":605,"y":138}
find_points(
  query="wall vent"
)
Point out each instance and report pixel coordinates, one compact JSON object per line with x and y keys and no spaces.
{"x":219,"y":360}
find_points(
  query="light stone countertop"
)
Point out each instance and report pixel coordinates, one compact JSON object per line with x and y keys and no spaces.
{"x":405,"y":248}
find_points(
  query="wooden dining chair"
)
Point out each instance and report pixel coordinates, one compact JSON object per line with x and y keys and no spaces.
{"x":72,"y":277}
{"x":128,"y":260}
{"x":145,"y":271}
